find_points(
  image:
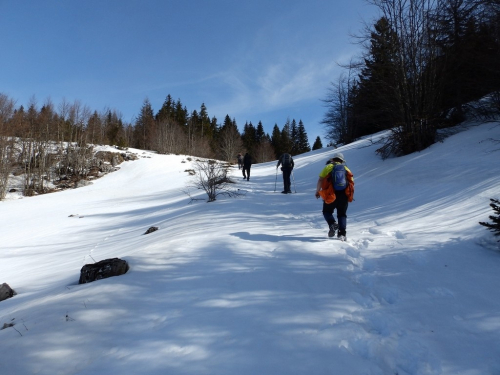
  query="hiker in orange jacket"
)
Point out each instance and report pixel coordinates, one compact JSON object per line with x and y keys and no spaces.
{"x":336,"y":187}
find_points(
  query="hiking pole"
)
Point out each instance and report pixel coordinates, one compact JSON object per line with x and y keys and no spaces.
{"x":276,"y":179}
{"x":294,"y":187}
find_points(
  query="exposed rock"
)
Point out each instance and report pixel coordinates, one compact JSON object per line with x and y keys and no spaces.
{"x":82,"y":183}
{"x":108,"y":156}
{"x":102,"y":270}
{"x":6,"y":291}
{"x":151,"y":230}
{"x":7,"y":325}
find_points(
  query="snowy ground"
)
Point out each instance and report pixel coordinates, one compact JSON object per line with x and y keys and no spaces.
{"x":253,"y":285}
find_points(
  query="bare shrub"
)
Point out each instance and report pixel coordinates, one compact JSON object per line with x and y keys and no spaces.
{"x":211,"y":176}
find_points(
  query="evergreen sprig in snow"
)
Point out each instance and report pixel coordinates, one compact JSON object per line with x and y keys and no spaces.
{"x":495,"y":227}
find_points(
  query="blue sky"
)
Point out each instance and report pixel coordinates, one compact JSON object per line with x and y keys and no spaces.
{"x":254,"y":60}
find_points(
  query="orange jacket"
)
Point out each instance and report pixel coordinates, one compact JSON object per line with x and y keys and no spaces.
{"x":328,"y":193}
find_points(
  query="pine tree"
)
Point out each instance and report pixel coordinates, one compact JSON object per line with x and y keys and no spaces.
{"x":180,"y":114}
{"x":204,"y":122}
{"x":302,"y":139}
{"x":229,"y":137}
{"x":495,"y":227}
{"x":259,"y":133}
{"x":375,"y":100}
{"x":276,"y":141}
{"x":317,"y":144}
{"x":286,"y":138}
{"x":167,"y":109}
{"x":249,"y":137}
{"x":294,"y":137}
{"x":144,"y":130}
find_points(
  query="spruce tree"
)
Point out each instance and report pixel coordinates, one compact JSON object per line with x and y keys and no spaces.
{"x":229,"y":140}
{"x":317,"y":144}
{"x":294,"y":137}
{"x":259,"y":133}
{"x":375,"y":101}
{"x":144,"y":130}
{"x":495,"y":227}
{"x":249,"y":137}
{"x":302,"y":139}
{"x":167,"y":110}
{"x":276,"y":140}
{"x":286,"y":138}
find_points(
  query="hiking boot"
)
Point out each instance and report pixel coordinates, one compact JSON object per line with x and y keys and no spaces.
{"x":333,"y":227}
{"x":341,"y":235}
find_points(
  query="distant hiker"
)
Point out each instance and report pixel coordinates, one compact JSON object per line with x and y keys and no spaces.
{"x":240,"y":161}
{"x":247,"y":163}
{"x":336,"y":187}
{"x":287,"y":165}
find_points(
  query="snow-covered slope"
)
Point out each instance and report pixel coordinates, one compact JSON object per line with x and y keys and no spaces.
{"x":253,"y":285}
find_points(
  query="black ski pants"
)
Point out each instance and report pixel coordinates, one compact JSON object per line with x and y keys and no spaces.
{"x":246,"y":171}
{"x":286,"y":180}
{"x":340,"y":204}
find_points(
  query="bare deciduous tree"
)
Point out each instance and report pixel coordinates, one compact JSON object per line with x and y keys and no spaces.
{"x":336,"y":120}
{"x":264,"y":151}
{"x":6,"y":143}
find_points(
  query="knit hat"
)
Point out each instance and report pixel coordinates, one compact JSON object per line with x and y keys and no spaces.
{"x":339,"y":156}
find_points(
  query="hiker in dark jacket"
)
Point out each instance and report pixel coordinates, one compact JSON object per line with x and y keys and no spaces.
{"x":287,"y":164}
{"x":247,"y":163}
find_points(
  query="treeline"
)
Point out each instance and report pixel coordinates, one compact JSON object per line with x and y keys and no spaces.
{"x":48,"y":143}
{"x":171,"y":130}
{"x":174,"y":130}
{"x":427,"y":64}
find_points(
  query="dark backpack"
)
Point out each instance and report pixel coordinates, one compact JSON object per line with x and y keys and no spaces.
{"x":287,"y":161}
{"x":339,"y":177}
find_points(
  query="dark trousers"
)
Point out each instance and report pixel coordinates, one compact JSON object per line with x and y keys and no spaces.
{"x":340,"y":204}
{"x":286,"y":180}
{"x":246,"y":169}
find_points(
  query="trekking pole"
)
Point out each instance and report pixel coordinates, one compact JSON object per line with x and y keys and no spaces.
{"x":294,"y":187}
{"x":276,"y":180}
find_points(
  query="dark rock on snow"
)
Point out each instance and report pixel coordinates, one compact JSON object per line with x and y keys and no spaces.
{"x":102,"y":270}
{"x":6,"y":291}
{"x":151,"y":230}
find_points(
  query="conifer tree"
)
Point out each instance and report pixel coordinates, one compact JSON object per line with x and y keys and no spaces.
{"x":204,"y":122}
{"x":229,"y":139}
{"x":495,"y":227}
{"x":259,"y":133}
{"x":286,"y":138}
{"x":167,"y":109}
{"x":144,"y":130}
{"x":294,"y":137}
{"x":249,"y":137}
{"x":276,"y":140}
{"x":302,"y":139}
{"x":317,"y":144}
{"x":180,"y":114}
{"x":375,"y":103}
